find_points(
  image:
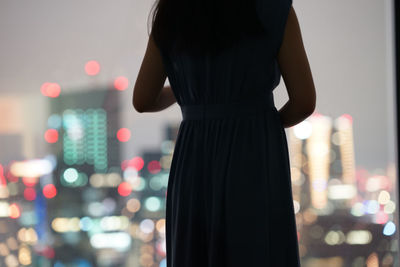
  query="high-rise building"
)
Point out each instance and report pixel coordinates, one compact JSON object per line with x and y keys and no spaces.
{"x":86,"y":123}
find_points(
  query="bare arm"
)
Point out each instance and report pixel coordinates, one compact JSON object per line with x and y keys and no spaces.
{"x":295,"y":70}
{"x":165,"y":99}
{"x":150,"y":94}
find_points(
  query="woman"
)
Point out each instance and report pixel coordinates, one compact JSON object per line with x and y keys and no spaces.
{"x":229,"y":198}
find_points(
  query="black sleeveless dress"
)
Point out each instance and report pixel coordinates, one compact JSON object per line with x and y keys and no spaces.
{"x":229,"y":197}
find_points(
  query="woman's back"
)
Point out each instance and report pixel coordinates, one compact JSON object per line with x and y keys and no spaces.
{"x":247,"y":70}
{"x":229,"y":199}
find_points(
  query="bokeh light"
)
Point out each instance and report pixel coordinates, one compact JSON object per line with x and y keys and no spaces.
{"x":92,"y":67}
{"x":15,"y":211}
{"x":49,"y":191}
{"x":51,"y":136}
{"x":29,"y":194}
{"x":123,"y":135}
{"x":154,"y":166}
{"x":50,"y":89}
{"x":121,"y":83}
{"x":30,"y":181}
{"x":136,"y":162}
{"x":124,"y":189}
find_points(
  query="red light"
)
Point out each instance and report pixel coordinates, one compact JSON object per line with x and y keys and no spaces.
{"x":14,"y":211}
{"x":43,"y":88}
{"x":348,"y":116}
{"x":12,"y":178}
{"x":121,"y":83}
{"x":137,"y":163}
{"x":154,"y":166}
{"x":50,"y":89}
{"x":48,"y":252}
{"x":30,"y":181}
{"x":160,"y":249}
{"x":49,"y":191}
{"x":124,"y":164}
{"x":382,"y":217}
{"x":51,"y":136}
{"x":29,"y":194}
{"x":53,"y":90}
{"x":92,"y":67}
{"x":123,"y":135}
{"x":2,"y":178}
{"x":124,"y":189}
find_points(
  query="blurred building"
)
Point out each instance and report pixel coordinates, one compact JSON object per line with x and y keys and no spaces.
{"x":83,"y":205}
{"x":86,"y":125}
{"x":339,"y":207}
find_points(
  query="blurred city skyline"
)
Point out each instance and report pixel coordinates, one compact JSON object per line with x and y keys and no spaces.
{"x":350,"y":53}
{"x":103,"y":167}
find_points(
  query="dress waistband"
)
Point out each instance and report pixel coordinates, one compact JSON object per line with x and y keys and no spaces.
{"x":226,"y":110}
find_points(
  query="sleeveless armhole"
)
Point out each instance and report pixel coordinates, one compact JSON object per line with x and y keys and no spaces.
{"x":283,"y":21}
{"x":273,"y":15}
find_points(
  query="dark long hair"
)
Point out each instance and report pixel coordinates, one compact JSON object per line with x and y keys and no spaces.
{"x":203,"y":26}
